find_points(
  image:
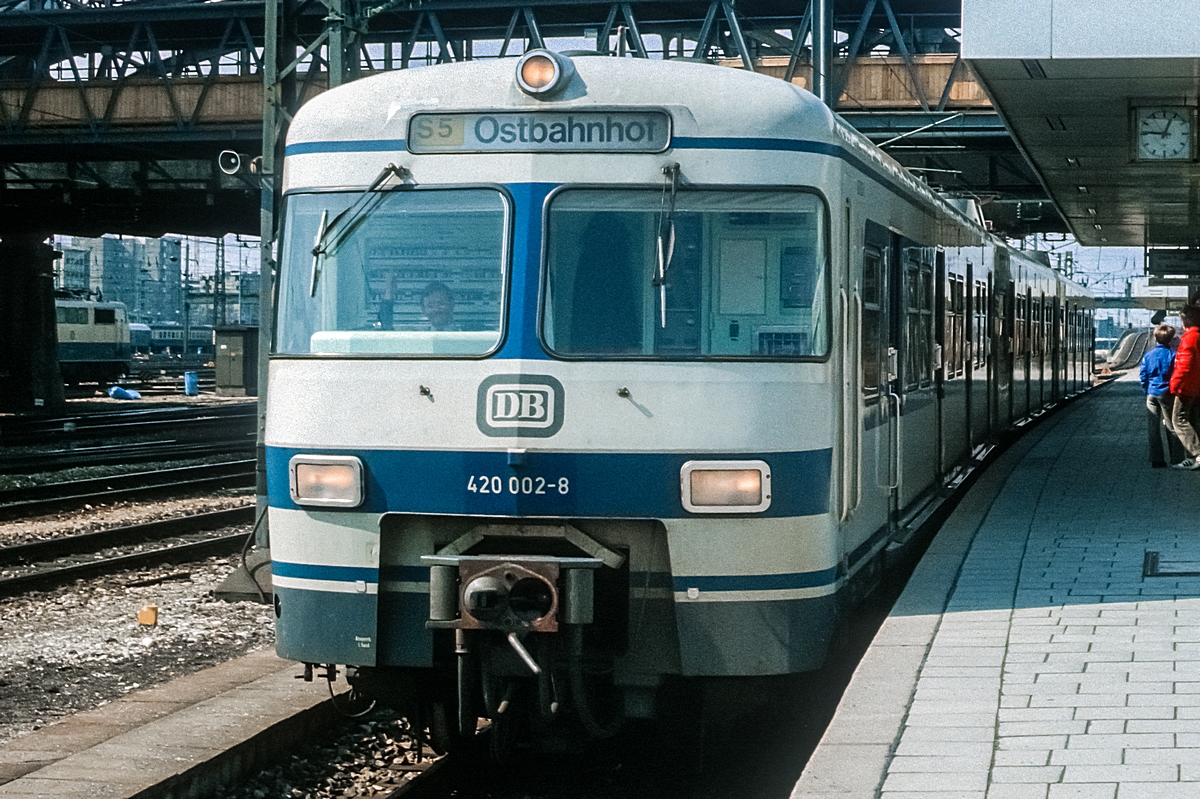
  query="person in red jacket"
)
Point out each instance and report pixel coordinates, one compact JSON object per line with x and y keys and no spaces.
{"x":1185,"y":387}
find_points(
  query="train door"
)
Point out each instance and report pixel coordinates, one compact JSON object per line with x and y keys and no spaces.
{"x":880,"y":369}
{"x":1083,"y":354}
{"x":1077,"y":337}
{"x":955,"y":374}
{"x":850,"y":439}
{"x":1020,"y":389}
{"x":913,"y":331}
{"x":1047,"y":350}
{"x":1032,"y":343}
{"x":1056,"y":349}
{"x":1034,"y":321}
{"x":1068,"y":349}
{"x":979,"y":358}
{"x":1041,"y":351}
{"x":944,"y":338}
{"x":969,"y":334}
{"x":1002,"y":372}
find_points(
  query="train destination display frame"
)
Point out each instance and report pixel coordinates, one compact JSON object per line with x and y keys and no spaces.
{"x":540,"y":131}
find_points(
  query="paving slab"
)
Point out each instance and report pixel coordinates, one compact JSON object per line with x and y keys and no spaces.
{"x":1049,"y":664}
{"x":185,"y":737}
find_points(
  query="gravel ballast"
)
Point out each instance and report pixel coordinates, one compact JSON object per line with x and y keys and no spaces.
{"x":81,"y":647}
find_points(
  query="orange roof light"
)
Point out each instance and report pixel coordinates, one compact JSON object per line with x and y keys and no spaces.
{"x":541,"y":73}
{"x":538,"y":72}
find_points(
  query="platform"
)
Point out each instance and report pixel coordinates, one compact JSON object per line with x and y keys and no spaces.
{"x":1041,"y":650}
{"x":183,"y":738}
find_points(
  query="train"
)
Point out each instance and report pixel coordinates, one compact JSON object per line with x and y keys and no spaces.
{"x":93,"y":339}
{"x":167,"y":338}
{"x":594,"y":376}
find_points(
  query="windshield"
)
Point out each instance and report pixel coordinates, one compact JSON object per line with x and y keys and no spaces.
{"x":640,"y":273}
{"x":415,"y":273}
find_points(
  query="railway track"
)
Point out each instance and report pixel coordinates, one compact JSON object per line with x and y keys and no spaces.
{"x":170,"y":384}
{"x":136,"y":435}
{"x":419,"y":781}
{"x":111,"y":454}
{"x":51,"y":497}
{"x":30,"y":431}
{"x":54,"y":574}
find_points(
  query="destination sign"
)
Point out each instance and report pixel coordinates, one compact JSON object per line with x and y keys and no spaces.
{"x":1173,"y":262}
{"x":540,"y":132}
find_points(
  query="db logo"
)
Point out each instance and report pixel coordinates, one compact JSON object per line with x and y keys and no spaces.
{"x":520,"y":405}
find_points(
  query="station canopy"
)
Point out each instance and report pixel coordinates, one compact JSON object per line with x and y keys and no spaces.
{"x":1102,"y":99}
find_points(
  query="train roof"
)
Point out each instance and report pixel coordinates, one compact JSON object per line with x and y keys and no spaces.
{"x":703,"y":100}
{"x":80,"y":302}
{"x":701,"y":97}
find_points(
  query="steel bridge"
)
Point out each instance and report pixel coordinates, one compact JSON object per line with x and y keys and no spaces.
{"x":112,"y":113}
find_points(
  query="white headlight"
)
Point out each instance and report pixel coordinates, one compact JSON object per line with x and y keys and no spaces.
{"x":725,"y":486}
{"x":326,"y":480}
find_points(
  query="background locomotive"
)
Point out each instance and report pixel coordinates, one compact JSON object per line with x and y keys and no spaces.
{"x":93,"y":339}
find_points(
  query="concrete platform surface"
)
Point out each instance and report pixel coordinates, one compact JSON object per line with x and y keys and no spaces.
{"x":1029,"y":657}
{"x":183,"y":738}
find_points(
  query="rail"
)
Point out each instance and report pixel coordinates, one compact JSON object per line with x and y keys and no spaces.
{"x":35,"y":500}
{"x":90,"y":543}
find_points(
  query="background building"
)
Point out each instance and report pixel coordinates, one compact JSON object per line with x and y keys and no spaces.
{"x":185,"y":281}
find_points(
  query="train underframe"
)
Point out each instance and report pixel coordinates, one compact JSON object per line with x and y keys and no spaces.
{"x":102,"y":372}
{"x":560,"y":629}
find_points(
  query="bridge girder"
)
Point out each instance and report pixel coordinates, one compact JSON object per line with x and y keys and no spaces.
{"x":71,"y":70}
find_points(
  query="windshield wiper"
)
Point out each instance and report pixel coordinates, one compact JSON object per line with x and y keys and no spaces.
{"x":665,"y":245}
{"x":317,"y":252}
{"x":331,"y":234}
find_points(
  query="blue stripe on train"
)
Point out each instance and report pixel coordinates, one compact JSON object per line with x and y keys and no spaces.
{"x":554,"y":484}
{"x":757,"y":143}
{"x":346,"y":574}
{"x":343,"y":574}
{"x":352,"y":146}
{"x":757,"y":582}
{"x":727,"y":582}
{"x":678,"y":142}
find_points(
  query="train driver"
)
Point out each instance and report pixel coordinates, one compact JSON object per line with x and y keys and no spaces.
{"x":437,"y":303}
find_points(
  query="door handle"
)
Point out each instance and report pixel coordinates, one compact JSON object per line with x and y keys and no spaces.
{"x":894,"y":465}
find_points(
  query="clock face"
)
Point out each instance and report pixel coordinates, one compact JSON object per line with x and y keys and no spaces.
{"x":1164,"y":133}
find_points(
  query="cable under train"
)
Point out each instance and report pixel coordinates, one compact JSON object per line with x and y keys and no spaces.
{"x":594,"y":373}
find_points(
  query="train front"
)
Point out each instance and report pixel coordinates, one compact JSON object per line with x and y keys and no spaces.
{"x":550,"y":411}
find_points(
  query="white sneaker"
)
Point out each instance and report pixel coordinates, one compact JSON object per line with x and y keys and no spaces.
{"x":1187,"y":463}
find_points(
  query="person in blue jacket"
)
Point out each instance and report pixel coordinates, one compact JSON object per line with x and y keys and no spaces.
{"x":1156,"y":379}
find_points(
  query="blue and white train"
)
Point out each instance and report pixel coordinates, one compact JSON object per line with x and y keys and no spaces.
{"x":591,"y":373}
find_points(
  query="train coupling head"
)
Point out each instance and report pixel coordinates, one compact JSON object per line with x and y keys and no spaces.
{"x":515,"y":594}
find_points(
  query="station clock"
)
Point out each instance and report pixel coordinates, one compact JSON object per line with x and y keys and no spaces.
{"x":1164,"y":133}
